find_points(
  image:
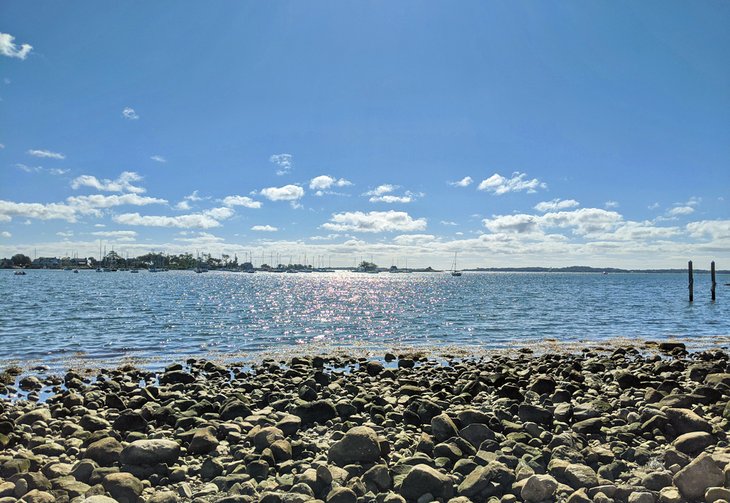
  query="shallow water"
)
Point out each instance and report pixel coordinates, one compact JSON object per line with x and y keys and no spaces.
{"x":53,"y":317}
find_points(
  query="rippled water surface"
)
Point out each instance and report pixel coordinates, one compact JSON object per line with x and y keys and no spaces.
{"x":52,"y":316}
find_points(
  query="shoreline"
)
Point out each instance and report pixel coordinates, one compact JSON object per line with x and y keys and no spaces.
{"x":643,"y":424}
{"x":55,"y":365}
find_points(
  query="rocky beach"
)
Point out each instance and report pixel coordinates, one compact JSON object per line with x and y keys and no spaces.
{"x":644,"y":424}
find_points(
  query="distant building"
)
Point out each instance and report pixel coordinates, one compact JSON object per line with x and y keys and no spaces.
{"x":46,"y":263}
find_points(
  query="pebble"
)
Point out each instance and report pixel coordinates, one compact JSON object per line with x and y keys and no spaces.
{"x":621,"y":426}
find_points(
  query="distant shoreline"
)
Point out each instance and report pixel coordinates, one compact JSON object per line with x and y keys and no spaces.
{"x":569,"y":269}
{"x":588,"y":269}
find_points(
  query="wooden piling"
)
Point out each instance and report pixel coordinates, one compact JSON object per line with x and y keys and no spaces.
{"x":691,"y":283}
{"x":712,"y":276}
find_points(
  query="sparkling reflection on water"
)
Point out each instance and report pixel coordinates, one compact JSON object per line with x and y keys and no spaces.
{"x":55,"y":315}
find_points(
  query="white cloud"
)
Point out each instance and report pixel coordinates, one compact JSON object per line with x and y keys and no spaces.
{"x":121,"y":184}
{"x":556,"y":204}
{"x":324,"y":182}
{"x":264,"y":228}
{"x":414,"y":239}
{"x":29,"y":169}
{"x":653,"y":206}
{"x":715,"y":229}
{"x":283,"y":162}
{"x":219,"y":213}
{"x":129,"y":114}
{"x":381,"y":189}
{"x":41,"y":169}
{"x":117,"y":235}
{"x":374,"y":221}
{"x":46,"y":154}
{"x":521,"y":223}
{"x":388,"y":198}
{"x":191,"y":221}
{"x":582,"y":222}
{"x":244,"y":201}
{"x":680,"y":210}
{"x":201,"y":239}
{"x":328,"y":237}
{"x":86,"y":204}
{"x":611,"y":204}
{"x":9,"y":49}
{"x":497,"y":184}
{"x":185,"y":203}
{"x":158,"y":158}
{"x":383,"y":194}
{"x":5,"y":234}
{"x":290,"y":193}
{"x":448,"y":222}
{"x":464,"y":182}
{"x":51,"y":211}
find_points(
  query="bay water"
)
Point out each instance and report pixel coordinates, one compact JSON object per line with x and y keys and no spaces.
{"x":56,"y":317}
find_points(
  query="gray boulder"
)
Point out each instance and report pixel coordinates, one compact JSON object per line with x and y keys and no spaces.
{"x":151,"y":452}
{"x":359,"y":445}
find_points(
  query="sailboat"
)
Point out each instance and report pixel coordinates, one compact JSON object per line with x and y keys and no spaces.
{"x":454,"y":272}
{"x":98,"y":269}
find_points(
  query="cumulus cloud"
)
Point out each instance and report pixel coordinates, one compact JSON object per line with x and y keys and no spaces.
{"x":381,"y":189}
{"x":116,"y":235}
{"x":611,"y":204}
{"x":264,"y":228}
{"x":283,"y":162}
{"x":244,"y":201}
{"x":51,"y":211}
{"x":5,"y":234}
{"x":715,"y":229}
{"x":374,"y":221}
{"x":85,"y":204}
{"x":556,"y":204}
{"x":46,"y":154}
{"x":389,"y":198}
{"x":464,"y":182}
{"x":498,"y":184}
{"x":129,"y":114}
{"x":291,"y":193}
{"x":185,"y":203}
{"x":383,"y":194}
{"x":324,"y":182}
{"x":158,"y":158}
{"x":582,"y":222}
{"x":191,"y":221}
{"x":684,"y":208}
{"x":121,"y":184}
{"x":220,"y":213}
{"x":521,"y":223}
{"x":10,"y":49}
{"x":414,"y":239}
{"x":680,"y":210}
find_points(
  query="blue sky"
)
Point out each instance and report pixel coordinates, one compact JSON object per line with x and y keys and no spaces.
{"x":138,"y":123}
